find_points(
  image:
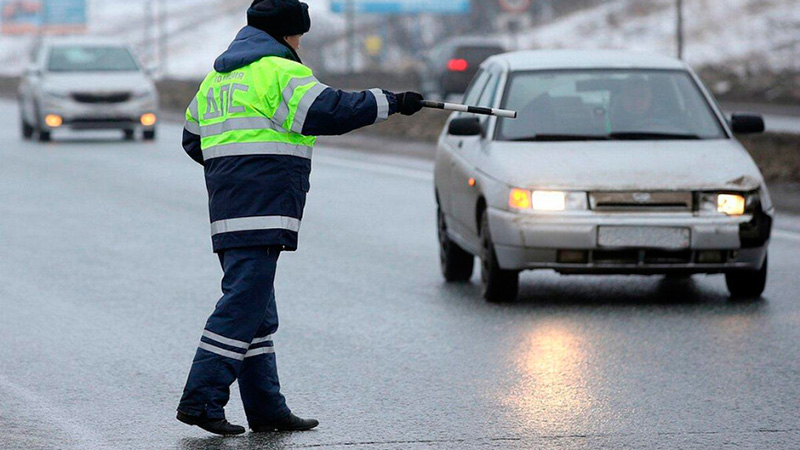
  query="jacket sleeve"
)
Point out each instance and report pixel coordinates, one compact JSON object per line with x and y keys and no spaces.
{"x":191,"y":134}
{"x":336,"y":112}
{"x":311,"y":108}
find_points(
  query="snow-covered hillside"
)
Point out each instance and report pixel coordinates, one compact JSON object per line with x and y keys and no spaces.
{"x":736,"y":33}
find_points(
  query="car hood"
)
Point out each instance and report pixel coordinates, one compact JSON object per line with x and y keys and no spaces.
{"x":97,"y":81}
{"x":623,"y":165}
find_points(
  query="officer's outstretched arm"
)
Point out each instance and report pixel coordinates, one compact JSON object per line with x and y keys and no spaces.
{"x":336,"y":112}
{"x":191,"y":134}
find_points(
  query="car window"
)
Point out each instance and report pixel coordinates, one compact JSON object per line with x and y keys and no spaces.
{"x":91,"y":59}
{"x":489,"y":92}
{"x":617,"y":103}
{"x":475,"y":89}
{"x":487,"y":97}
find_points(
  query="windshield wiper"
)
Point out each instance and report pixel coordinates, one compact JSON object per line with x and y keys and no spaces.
{"x":562,"y":138}
{"x":649,"y":136}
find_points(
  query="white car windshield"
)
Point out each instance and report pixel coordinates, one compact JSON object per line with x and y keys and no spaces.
{"x":91,"y":59}
{"x":605,"y":105}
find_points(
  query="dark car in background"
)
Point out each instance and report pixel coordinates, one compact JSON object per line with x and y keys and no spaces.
{"x":450,"y":67}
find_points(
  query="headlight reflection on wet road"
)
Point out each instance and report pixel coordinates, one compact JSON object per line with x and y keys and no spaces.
{"x":552,"y":366}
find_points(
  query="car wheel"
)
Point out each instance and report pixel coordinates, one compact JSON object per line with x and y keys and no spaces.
{"x":149,"y":135}
{"x":457,"y":264}
{"x":498,"y":285}
{"x":27,"y":129}
{"x":44,"y":136}
{"x":748,"y":284}
{"x":129,"y":135}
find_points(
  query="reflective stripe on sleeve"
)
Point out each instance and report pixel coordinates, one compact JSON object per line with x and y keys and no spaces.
{"x":221,"y":352}
{"x":259,"y":351}
{"x":305,"y":105}
{"x":224,"y":340}
{"x":238,"y":123}
{"x":383,"y":105}
{"x":261,"y":340}
{"x":192,"y":127}
{"x":255,"y":224}
{"x":191,"y":111}
{"x":282,"y":113}
{"x":257,"y":148}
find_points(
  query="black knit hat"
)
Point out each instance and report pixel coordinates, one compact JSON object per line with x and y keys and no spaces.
{"x":279,"y":18}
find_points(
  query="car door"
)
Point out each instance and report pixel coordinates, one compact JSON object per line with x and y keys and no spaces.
{"x":449,"y":152}
{"x":449,"y":146}
{"x":464,"y":189}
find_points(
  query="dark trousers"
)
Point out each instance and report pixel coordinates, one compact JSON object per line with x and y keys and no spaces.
{"x":237,"y":342}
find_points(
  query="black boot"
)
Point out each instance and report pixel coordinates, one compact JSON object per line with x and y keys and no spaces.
{"x":216,"y":426}
{"x":291,"y":423}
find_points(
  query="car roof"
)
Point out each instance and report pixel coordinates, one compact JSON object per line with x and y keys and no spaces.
{"x":584,"y":59}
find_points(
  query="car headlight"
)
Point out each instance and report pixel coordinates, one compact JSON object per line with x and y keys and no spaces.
{"x":547,"y":201}
{"x":729,"y":204}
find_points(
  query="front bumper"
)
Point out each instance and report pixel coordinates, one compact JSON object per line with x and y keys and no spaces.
{"x":540,"y":241}
{"x":98,"y":116}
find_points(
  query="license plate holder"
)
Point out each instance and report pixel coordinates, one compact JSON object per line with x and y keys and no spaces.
{"x":644,"y":237}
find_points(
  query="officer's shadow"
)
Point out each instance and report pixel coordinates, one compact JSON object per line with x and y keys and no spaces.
{"x":277,"y":441}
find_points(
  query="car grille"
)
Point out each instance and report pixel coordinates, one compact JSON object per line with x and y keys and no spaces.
{"x":118,"y":97}
{"x":644,"y":257}
{"x":642,"y":201}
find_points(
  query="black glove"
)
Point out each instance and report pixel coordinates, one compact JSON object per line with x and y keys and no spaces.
{"x":409,"y":103}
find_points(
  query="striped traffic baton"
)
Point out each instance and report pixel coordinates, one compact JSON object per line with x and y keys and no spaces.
{"x":470,"y":109}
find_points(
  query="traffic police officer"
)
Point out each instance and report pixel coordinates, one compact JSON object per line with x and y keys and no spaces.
{"x":252,"y":125}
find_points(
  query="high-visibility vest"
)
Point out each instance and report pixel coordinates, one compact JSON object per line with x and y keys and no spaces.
{"x":257,"y":162}
{"x":256,"y":110}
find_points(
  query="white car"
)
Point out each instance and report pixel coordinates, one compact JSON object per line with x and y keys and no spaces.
{"x":619,"y":163}
{"x":86,"y":84}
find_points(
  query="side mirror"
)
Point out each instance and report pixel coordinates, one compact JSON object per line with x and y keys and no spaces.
{"x":468,"y":126}
{"x":747,"y":124}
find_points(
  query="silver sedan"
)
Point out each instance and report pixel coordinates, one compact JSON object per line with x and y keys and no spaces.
{"x":86,"y":84}
{"x":619,"y":163}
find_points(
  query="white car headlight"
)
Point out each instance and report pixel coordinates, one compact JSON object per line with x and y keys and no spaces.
{"x":726,"y":203}
{"x":547,"y":201}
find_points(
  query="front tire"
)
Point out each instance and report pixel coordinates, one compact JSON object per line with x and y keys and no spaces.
{"x":149,"y":135}
{"x":748,"y":284}
{"x":129,"y":135}
{"x":499,"y":286}
{"x":26,"y":129}
{"x":44,"y":136}
{"x":456,"y":263}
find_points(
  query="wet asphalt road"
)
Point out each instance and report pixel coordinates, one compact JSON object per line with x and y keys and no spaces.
{"x":107,"y":277}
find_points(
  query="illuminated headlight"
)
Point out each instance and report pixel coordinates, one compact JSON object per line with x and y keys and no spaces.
{"x":547,"y":201}
{"x":731,"y":204}
{"x":728,"y":204}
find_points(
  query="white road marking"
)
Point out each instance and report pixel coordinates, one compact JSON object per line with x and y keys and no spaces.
{"x":788,"y":235}
{"x":82,"y":436}
{"x":381,"y":168}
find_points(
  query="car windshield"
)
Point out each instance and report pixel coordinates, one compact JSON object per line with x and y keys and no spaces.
{"x":91,"y":59}
{"x":605,"y":105}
